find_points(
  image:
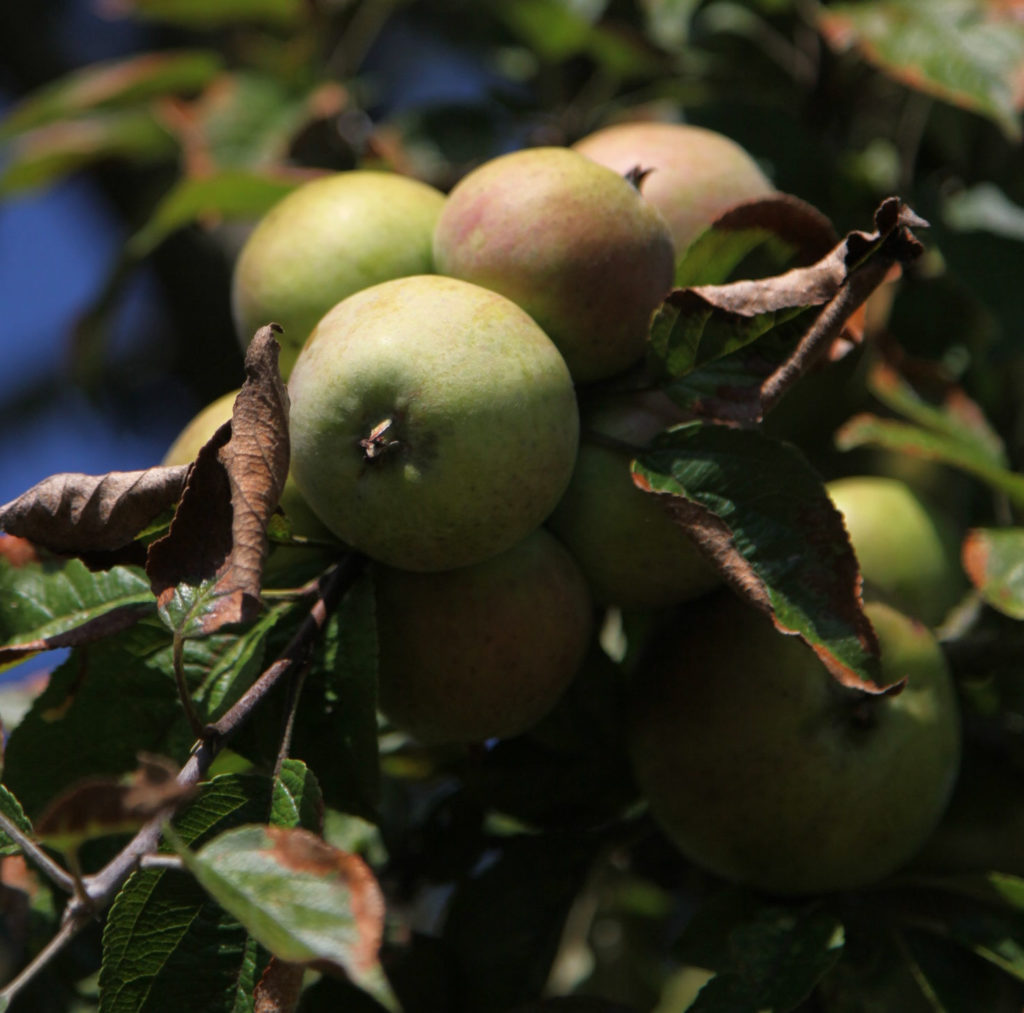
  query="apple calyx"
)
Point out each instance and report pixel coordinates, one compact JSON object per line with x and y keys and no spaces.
{"x":376,"y":445}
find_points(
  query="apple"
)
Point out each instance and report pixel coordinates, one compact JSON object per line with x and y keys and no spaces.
{"x":761,"y":768}
{"x":283,"y":559}
{"x":573,"y":243}
{"x":327,"y":239}
{"x":696,"y":174}
{"x":908,"y":549}
{"x":631,"y":552}
{"x":484,"y":651}
{"x":433,"y":423}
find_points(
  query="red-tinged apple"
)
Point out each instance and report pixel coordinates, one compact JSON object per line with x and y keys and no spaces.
{"x":484,"y":651}
{"x":327,"y":239}
{"x":573,"y":243}
{"x":908,"y":549}
{"x":433,"y":423}
{"x":696,"y":174}
{"x":761,"y":768}
{"x":631,"y":552}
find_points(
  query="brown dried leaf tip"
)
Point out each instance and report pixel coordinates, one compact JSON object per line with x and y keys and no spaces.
{"x":220,"y":528}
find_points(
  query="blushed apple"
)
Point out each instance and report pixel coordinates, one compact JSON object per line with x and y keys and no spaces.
{"x":483,"y":651}
{"x":761,"y":768}
{"x":327,"y":239}
{"x":433,"y":423}
{"x":696,"y":174}
{"x":573,"y":243}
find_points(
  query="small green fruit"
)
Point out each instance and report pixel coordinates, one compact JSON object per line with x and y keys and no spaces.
{"x":696,"y":175}
{"x":631,"y":552}
{"x":760,"y":767}
{"x":908,"y":550}
{"x":329,"y":238}
{"x":483,"y":651}
{"x":433,"y":423}
{"x":573,"y":243}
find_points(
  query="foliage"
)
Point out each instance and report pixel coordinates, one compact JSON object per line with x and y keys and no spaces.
{"x":286,"y":848}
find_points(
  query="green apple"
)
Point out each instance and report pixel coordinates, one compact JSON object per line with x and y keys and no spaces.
{"x":573,"y":243}
{"x":327,"y":239}
{"x":484,"y":651}
{"x":433,"y":423}
{"x":303,"y":522}
{"x":697,"y":174}
{"x":630,"y":550}
{"x":761,"y":768}
{"x":908,"y":549}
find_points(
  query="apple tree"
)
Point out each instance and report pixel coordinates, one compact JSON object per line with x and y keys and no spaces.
{"x":594,"y":581}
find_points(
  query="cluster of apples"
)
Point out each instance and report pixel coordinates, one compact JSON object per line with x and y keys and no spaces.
{"x":435,"y":347}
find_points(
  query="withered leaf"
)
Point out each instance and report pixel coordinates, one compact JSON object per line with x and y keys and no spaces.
{"x":97,"y":806}
{"x":804,"y":310}
{"x":220,"y":528}
{"x":75,"y":514}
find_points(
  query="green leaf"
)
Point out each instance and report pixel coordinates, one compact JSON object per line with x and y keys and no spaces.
{"x":304,"y":900}
{"x":46,"y":154}
{"x":185,"y":611}
{"x":113,"y":84}
{"x":231,"y":194}
{"x":202,"y":14}
{"x":764,"y":515}
{"x":336,"y":725}
{"x":40,"y":601}
{"x":237,"y":668}
{"x":870,"y":430}
{"x":777,"y":958}
{"x":994,"y":561}
{"x":168,"y":946}
{"x":966,"y":52}
{"x":984,"y":208}
{"x":106,"y":703}
{"x":297,"y":800}
{"x":10,"y":807}
{"x":958,"y":417}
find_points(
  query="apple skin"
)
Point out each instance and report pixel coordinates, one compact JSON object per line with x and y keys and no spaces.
{"x":761,"y":768}
{"x":484,"y":424}
{"x":907,"y":549}
{"x":484,"y":651}
{"x":573,"y":243}
{"x":631,"y":552}
{"x":327,"y":239}
{"x":697,"y":173}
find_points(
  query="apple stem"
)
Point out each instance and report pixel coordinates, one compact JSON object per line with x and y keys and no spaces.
{"x":377,"y":444}
{"x":637,"y":175}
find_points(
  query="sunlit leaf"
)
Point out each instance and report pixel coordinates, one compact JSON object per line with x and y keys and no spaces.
{"x":870,"y":430}
{"x":961,"y":51}
{"x":304,"y":900}
{"x":994,"y":561}
{"x":112,"y":84}
{"x":44,"y":155}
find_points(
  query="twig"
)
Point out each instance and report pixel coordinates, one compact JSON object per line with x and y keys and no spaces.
{"x":72,"y":924}
{"x":826,"y":328}
{"x":184,"y":693}
{"x":294,"y":694}
{"x":49,"y":867}
{"x":100,"y":888}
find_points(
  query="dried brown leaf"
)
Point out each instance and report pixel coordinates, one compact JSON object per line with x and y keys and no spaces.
{"x":75,"y":514}
{"x":220,"y":528}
